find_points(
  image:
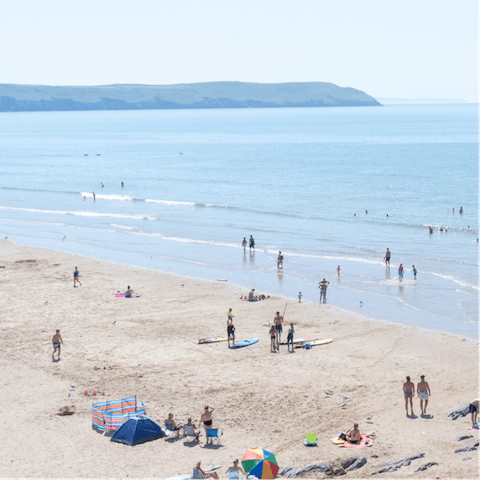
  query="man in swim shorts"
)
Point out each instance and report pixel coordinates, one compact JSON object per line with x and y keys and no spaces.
{"x":206,"y":418}
{"x":473,"y":408}
{"x":56,"y":340}
{"x":388,"y":254}
{"x":323,"y":290}
{"x":278,"y":327}
{"x":409,"y":393}
{"x":230,"y":327}
{"x":76,"y":275}
{"x":423,"y":391}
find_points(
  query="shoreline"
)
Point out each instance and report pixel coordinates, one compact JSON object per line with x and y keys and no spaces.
{"x":259,"y":398}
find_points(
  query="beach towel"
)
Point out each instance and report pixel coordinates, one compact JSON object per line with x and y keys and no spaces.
{"x":366,"y":442}
{"x":123,"y":295}
{"x":337,"y":440}
{"x":476,"y":427}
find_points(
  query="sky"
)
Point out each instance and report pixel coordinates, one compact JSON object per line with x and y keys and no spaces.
{"x":413,"y":49}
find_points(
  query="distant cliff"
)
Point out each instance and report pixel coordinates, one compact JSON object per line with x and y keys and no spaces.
{"x":21,"y":98}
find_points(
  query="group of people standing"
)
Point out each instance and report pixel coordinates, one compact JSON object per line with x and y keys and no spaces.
{"x":386,"y":259}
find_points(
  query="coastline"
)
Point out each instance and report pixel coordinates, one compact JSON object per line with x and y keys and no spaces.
{"x":263,"y":399}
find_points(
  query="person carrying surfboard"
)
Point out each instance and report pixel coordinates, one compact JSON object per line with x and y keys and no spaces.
{"x":230,"y":328}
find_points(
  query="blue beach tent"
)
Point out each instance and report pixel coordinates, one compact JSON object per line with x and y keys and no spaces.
{"x":138,"y":430}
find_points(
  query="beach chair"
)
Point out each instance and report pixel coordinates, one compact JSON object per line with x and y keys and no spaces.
{"x":310,"y":440}
{"x":189,"y":431}
{"x":197,"y":474}
{"x":212,"y":434}
{"x":170,"y":427}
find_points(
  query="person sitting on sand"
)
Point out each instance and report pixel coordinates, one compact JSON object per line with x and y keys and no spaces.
{"x":473,"y":408}
{"x":409,"y":393}
{"x":206,"y":418}
{"x":236,"y":467}
{"x":56,"y":340}
{"x":353,"y":435}
{"x":273,"y":343}
{"x":195,"y":430}
{"x":170,"y":420}
{"x":203,"y":473}
{"x":251,"y":296}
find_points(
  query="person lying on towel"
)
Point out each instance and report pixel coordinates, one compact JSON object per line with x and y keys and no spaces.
{"x":353,"y":435}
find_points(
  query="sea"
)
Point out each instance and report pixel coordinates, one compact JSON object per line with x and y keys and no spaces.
{"x":299,"y":180}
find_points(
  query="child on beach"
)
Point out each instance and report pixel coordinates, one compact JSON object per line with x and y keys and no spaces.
{"x":299,"y":297}
{"x":338,"y":270}
{"x":400,"y":272}
{"x":414,"y":272}
{"x":244,"y":244}
{"x":76,"y":276}
{"x":56,"y":340}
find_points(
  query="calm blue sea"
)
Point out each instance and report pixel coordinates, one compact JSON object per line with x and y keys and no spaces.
{"x":298,"y":179}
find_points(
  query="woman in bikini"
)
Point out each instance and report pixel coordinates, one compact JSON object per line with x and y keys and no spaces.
{"x":273,"y":343}
{"x":353,"y":435}
{"x":409,"y":392}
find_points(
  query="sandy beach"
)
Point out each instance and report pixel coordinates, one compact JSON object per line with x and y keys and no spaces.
{"x":260,"y":399}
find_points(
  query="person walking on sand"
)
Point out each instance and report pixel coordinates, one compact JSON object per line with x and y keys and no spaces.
{"x":206,"y":418}
{"x":388,"y":254}
{"x":414,"y":272}
{"x":291,"y":331}
{"x":230,"y":328}
{"x":252,"y":243}
{"x":400,"y":272}
{"x":273,"y":343}
{"x":278,"y":326}
{"x":244,"y":244}
{"x":299,"y":297}
{"x":423,"y":390}
{"x":280,"y":260}
{"x":409,"y":393}
{"x":56,"y":340}
{"x":76,"y":276}
{"x":323,"y":290}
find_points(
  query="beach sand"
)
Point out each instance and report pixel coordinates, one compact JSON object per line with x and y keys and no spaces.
{"x":260,"y":399}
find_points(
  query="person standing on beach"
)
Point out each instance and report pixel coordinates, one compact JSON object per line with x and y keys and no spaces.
{"x":206,"y":418}
{"x":414,"y":272}
{"x":230,"y":328}
{"x":323,"y":290}
{"x":299,"y":297}
{"x":278,"y":326}
{"x":388,"y":254}
{"x":473,"y":409}
{"x":56,"y":340}
{"x":291,"y":331}
{"x":76,"y":276}
{"x":409,"y":393}
{"x":252,"y":243}
{"x":400,"y":272}
{"x":273,"y":343}
{"x":423,"y":390}
{"x":244,"y":244}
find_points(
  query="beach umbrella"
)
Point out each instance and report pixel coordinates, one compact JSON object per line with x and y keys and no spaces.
{"x":260,"y":463}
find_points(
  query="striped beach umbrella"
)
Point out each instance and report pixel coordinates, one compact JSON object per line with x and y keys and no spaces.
{"x":260,"y":463}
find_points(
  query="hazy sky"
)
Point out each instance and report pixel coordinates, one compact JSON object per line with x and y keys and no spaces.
{"x":401,"y":49}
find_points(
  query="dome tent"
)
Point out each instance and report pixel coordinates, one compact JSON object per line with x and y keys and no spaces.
{"x":137,"y":430}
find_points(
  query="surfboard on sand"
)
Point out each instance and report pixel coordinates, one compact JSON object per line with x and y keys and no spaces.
{"x":301,"y":340}
{"x":245,"y":343}
{"x":315,"y":342}
{"x":212,"y":340}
